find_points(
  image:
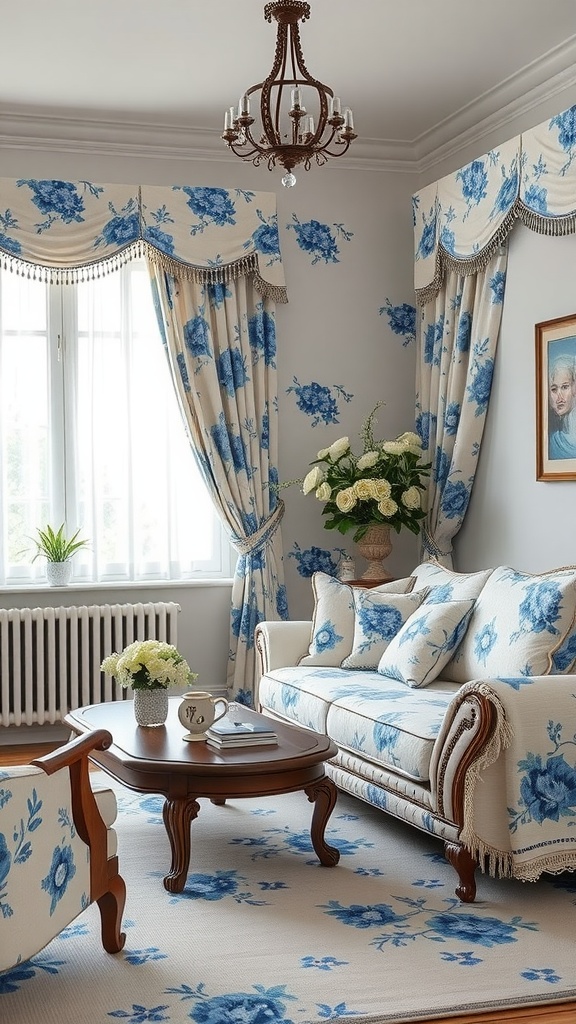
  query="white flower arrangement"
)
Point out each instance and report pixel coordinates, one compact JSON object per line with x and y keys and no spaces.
{"x":382,"y":485}
{"x":149,"y":665}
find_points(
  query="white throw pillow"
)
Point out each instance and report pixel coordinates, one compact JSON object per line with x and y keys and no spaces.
{"x":426,"y":642}
{"x":333,"y":618}
{"x":446,"y":585}
{"x":519,"y":622}
{"x":378,"y":618}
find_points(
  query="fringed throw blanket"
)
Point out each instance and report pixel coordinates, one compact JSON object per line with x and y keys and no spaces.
{"x":526,"y":776}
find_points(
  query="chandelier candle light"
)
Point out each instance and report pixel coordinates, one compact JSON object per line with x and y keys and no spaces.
{"x":290,"y":135}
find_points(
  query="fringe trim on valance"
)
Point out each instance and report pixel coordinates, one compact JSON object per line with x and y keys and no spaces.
{"x":445,"y":263}
{"x":72,"y":275}
{"x":276,"y":292}
{"x":565,"y":225}
{"x":222,"y":274}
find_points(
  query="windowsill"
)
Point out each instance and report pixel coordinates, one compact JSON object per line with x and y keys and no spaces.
{"x":44,"y":588}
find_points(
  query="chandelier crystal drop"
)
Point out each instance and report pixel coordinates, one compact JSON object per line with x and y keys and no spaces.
{"x":289,"y":133}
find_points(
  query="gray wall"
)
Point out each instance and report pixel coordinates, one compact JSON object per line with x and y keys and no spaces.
{"x":514,"y":519}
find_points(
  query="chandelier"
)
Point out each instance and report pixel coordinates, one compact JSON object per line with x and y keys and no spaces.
{"x":290,"y":135}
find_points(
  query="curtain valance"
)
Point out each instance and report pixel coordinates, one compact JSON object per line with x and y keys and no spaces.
{"x":72,"y":230}
{"x":462,"y":219}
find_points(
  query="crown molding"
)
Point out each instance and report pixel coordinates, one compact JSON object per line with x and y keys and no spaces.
{"x":517,"y":96}
{"x":61,"y":132}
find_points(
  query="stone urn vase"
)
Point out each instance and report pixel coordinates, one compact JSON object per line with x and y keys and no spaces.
{"x":151,"y":706}
{"x":375,"y":546}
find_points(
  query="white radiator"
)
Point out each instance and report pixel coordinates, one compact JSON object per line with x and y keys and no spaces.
{"x":50,"y":657}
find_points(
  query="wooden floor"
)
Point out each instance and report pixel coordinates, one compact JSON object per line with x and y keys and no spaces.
{"x":562,"y":1014}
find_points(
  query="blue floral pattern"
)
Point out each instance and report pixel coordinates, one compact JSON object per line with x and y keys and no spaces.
{"x":318,"y":240}
{"x":319,"y":401}
{"x":314,"y":559}
{"x":401,"y":320}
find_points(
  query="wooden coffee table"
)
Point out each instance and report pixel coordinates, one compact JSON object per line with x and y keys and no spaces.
{"x":159,"y":760}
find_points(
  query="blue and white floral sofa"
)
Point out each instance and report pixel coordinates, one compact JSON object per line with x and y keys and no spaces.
{"x":452,"y":700}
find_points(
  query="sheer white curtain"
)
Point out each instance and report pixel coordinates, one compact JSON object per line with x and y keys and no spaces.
{"x":90,"y":434}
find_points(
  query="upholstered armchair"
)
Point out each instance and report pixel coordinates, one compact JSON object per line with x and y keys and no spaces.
{"x":57,"y":851}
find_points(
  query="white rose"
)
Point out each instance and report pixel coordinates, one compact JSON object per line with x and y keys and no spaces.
{"x":313,"y":479}
{"x":338,"y":448}
{"x":346,"y":499}
{"x":364,"y":489}
{"x":394,"y":447}
{"x":324,"y":491}
{"x":387,"y":507}
{"x":323,"y":453}
{"x":411,"y":498}
{"x":382,"y":489}
{"x":411,"y":439}
{"x":368,"y":460}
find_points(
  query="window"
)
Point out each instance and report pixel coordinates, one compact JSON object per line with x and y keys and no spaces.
{"x":91,"y":435}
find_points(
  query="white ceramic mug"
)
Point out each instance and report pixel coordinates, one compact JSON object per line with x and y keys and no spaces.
{"x":197,"y":712}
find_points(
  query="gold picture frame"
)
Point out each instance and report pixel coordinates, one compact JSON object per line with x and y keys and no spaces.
{"x":556,"y":399}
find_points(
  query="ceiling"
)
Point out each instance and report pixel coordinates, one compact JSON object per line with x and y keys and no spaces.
{"x":415,"y":72}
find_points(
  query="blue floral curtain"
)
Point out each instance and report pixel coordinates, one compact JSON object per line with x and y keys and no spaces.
{"x":455,"y":362}
{"x":461,"y":224}
{"x":71,"y":230}
{"x":221,"y":344}
{"x":215,"y":265}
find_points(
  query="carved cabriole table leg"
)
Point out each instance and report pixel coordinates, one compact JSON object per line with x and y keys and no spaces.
{"x":323,"y":795}
{"x":178,"y":815}
{"x":462,"y":860}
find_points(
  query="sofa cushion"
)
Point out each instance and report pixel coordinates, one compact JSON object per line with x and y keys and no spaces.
{"x":426,"y":642}
{"x":519,"y":622}
{"x":378,"y":617}
{"x":363,"y":712}
{"x":446,"y":585}
{"x":333,"y":619}
{"x":384,"y":722}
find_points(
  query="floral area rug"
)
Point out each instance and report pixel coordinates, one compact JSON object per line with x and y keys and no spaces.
{"x":262,"y":934}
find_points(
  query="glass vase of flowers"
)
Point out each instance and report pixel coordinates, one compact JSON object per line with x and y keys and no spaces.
{"x":149,"y":668}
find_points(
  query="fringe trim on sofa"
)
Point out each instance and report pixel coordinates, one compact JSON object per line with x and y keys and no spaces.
{"x":499,"y":862}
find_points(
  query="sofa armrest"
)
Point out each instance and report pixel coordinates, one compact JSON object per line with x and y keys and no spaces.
{"x":469,"y":724}
{"x":281,"y":644}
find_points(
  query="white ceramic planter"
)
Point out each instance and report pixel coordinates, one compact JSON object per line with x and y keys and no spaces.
{"x":59,"y":573}
{"x":151,"y":707}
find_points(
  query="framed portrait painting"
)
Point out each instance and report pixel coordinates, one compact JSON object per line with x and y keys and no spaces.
{"x":556,"y":399}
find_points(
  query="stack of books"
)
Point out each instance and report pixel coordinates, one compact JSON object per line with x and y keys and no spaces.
{"x":227,"y":733}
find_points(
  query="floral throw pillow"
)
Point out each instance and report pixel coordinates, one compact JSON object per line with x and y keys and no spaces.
{"x":520,"y":624}
{"x":333,"y":619}
{"x":426,"y":642}
{"x":378,"y":618}
{"x":447,"y":585}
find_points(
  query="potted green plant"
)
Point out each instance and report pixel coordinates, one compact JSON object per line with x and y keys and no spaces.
{"x":57,"y":549}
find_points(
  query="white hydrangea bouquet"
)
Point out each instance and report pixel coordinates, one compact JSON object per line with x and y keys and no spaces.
{"x":382,"y":485}
{"x":149,"y":665}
